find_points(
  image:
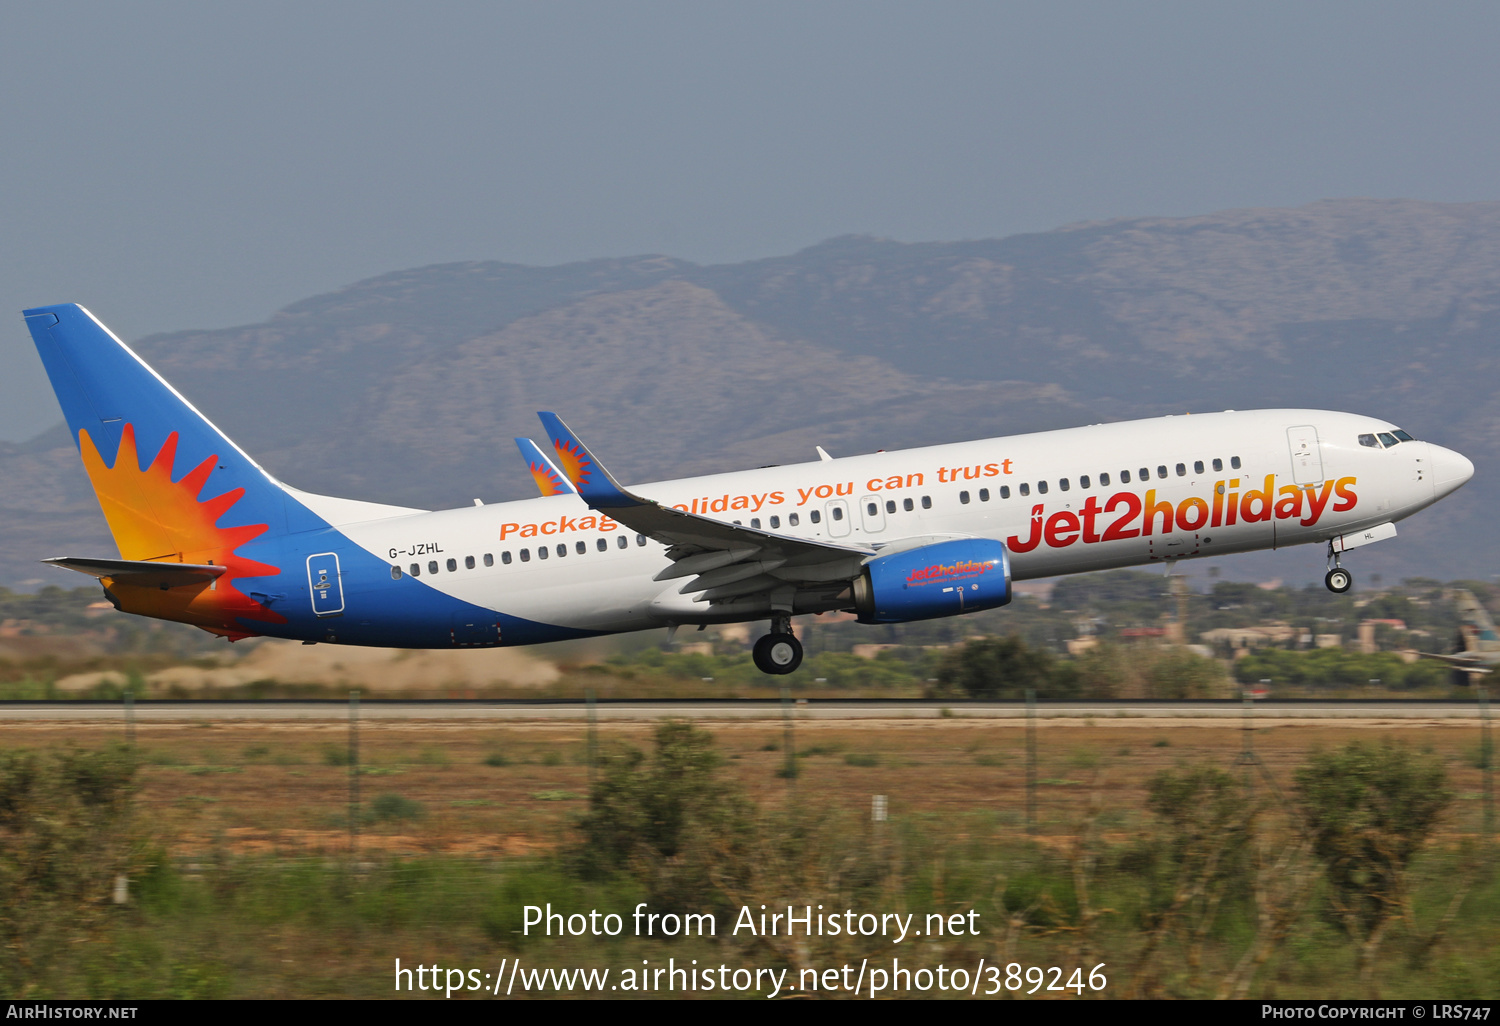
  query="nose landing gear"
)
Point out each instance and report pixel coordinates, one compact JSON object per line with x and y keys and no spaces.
{"x":778,"y":652}
{"x":1337,"y":580}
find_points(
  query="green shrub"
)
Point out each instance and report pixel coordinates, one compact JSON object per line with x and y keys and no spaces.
{"x":391,"y":807}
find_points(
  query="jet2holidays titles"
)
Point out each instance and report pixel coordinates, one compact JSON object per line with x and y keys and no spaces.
{"x":1117,"y":516}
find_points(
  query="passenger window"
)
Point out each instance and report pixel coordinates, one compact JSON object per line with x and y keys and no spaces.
{"x":1063,"y":484}
{"x":526,"y":555}
{"x":1041,"y":487}
{"x":963,"y":497}
{"x":906,"y":504}
{"x":890,"y":505}
{"x":1025,"y":489}
{"x":815,"y":517}
{"x":623,"y":543}
{"x":1182,"y":470}
{"x":792,"y":519}
{"x":562,"y":549}
{"x":1161,"y":470}
{"x":1144,"y":474}
{"x":1083,"y":482}
{"x":1234,"y":463}
{"x":432,"y":566}
{"x":1388,"y":440}
{"x":755,"y":523}
{"x":1403,"y":435}
{"x":1104,"y":480}
{"x":468,"y":562}
{"x":541,"y":552}
{"x":838,"y":512}
{"x":872,"y":508}
{"x":505,"y":557}
{"x":1218,"y":466}
{"x":984,"y":495}
{"x":926,"y":502}
{"x":640,"y":539}
{"x":489,"y":559}
{"x":1197,"y":466}
{"x":395,"y":573}
{"x":452,"y":565}
{"x":581,"y":547}
{"x":602,"y":544}
{"x":1005,"y":491}
{"x":775,"y":523}
{"x":416,"y":569}
{"x":1124,"y":477}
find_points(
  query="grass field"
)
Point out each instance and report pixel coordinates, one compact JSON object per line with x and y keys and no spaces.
{"x":245,"y":885}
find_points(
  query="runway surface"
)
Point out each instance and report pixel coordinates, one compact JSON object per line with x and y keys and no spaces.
{"x":1117,"y":713}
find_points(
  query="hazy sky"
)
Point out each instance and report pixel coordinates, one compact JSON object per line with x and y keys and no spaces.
{"x":176,"y":165}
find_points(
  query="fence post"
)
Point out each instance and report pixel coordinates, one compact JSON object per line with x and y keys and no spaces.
{"x":130,"y":717}
{"x":1487,"y":762}
{"x":788,"y":741}
{"x":1031,"y":760}
{"x":593,"y":738}
{"x":353,"y":772}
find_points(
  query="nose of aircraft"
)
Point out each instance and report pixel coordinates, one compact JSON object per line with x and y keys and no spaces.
{"x":1450,"y":470}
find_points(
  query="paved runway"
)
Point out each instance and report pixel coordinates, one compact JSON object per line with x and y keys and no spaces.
{"x":1119,"y":713}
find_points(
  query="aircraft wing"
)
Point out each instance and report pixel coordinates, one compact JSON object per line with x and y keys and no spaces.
{"x":1463,"y":662}
{"x":141,"y":573}
{"x":549,"y":480}
{"x":734,"y":567}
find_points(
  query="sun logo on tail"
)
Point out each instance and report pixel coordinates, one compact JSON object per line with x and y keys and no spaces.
{"x":547,"y":481}
{"x":153,"y":517}
{"x":574,"y":461}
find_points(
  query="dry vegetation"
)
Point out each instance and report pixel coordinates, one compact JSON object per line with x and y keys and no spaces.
{"x":244,"y":884}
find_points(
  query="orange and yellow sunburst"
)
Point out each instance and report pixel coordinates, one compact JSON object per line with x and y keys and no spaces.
{"x":155,"y":518}
{"x":547,"y":481}
{"x":574,"y":462}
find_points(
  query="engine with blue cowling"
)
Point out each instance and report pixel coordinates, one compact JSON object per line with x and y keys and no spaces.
{"x":942,"y":579}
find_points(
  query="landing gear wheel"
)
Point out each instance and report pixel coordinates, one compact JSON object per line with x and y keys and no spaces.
{"x":777,"y":653}
{"x":1338,"y":580}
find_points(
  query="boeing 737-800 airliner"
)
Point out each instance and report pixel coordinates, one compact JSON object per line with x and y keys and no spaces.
{"x":207,"y":537}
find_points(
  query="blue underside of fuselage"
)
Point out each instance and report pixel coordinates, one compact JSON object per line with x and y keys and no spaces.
{"x":378,"y":611}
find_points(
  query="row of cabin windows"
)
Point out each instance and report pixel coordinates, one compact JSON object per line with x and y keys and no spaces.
{"x":873,"y":508}
{"x":837,"y":513}
{"x":542,"y":552}
{"x":1085,"y":482}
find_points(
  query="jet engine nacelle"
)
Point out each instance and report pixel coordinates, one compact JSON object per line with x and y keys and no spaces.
{"x":934,"y":580}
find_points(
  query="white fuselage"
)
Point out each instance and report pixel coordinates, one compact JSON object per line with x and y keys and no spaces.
{"x":1063,"y":502}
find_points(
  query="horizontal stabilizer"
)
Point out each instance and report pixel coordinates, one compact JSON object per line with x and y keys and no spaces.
{"x":141,"y":573}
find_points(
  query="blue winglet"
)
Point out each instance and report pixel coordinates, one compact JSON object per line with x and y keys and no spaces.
{"x":588,"y":475}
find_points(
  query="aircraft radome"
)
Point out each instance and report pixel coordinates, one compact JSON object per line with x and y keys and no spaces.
{"x":207,"y":537}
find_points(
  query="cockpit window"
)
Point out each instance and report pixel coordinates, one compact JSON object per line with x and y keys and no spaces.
{"x":1388,"y":439}
{"x":1369,"y":440}
{"x":1403,"y":435}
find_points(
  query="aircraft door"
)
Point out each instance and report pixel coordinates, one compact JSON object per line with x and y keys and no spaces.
{"x":1307,"y":459}
{"x":326,"y":584}
{"x":872,"y":513}
{"x":838,"y":518}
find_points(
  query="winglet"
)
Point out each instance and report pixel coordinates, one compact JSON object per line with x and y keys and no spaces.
{"x":549,"y":480}
{"x":594,"y":483}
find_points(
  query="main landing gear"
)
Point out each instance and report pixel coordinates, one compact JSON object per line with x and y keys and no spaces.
{"x":778,"y":652}
{"x":1337,"y":580}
